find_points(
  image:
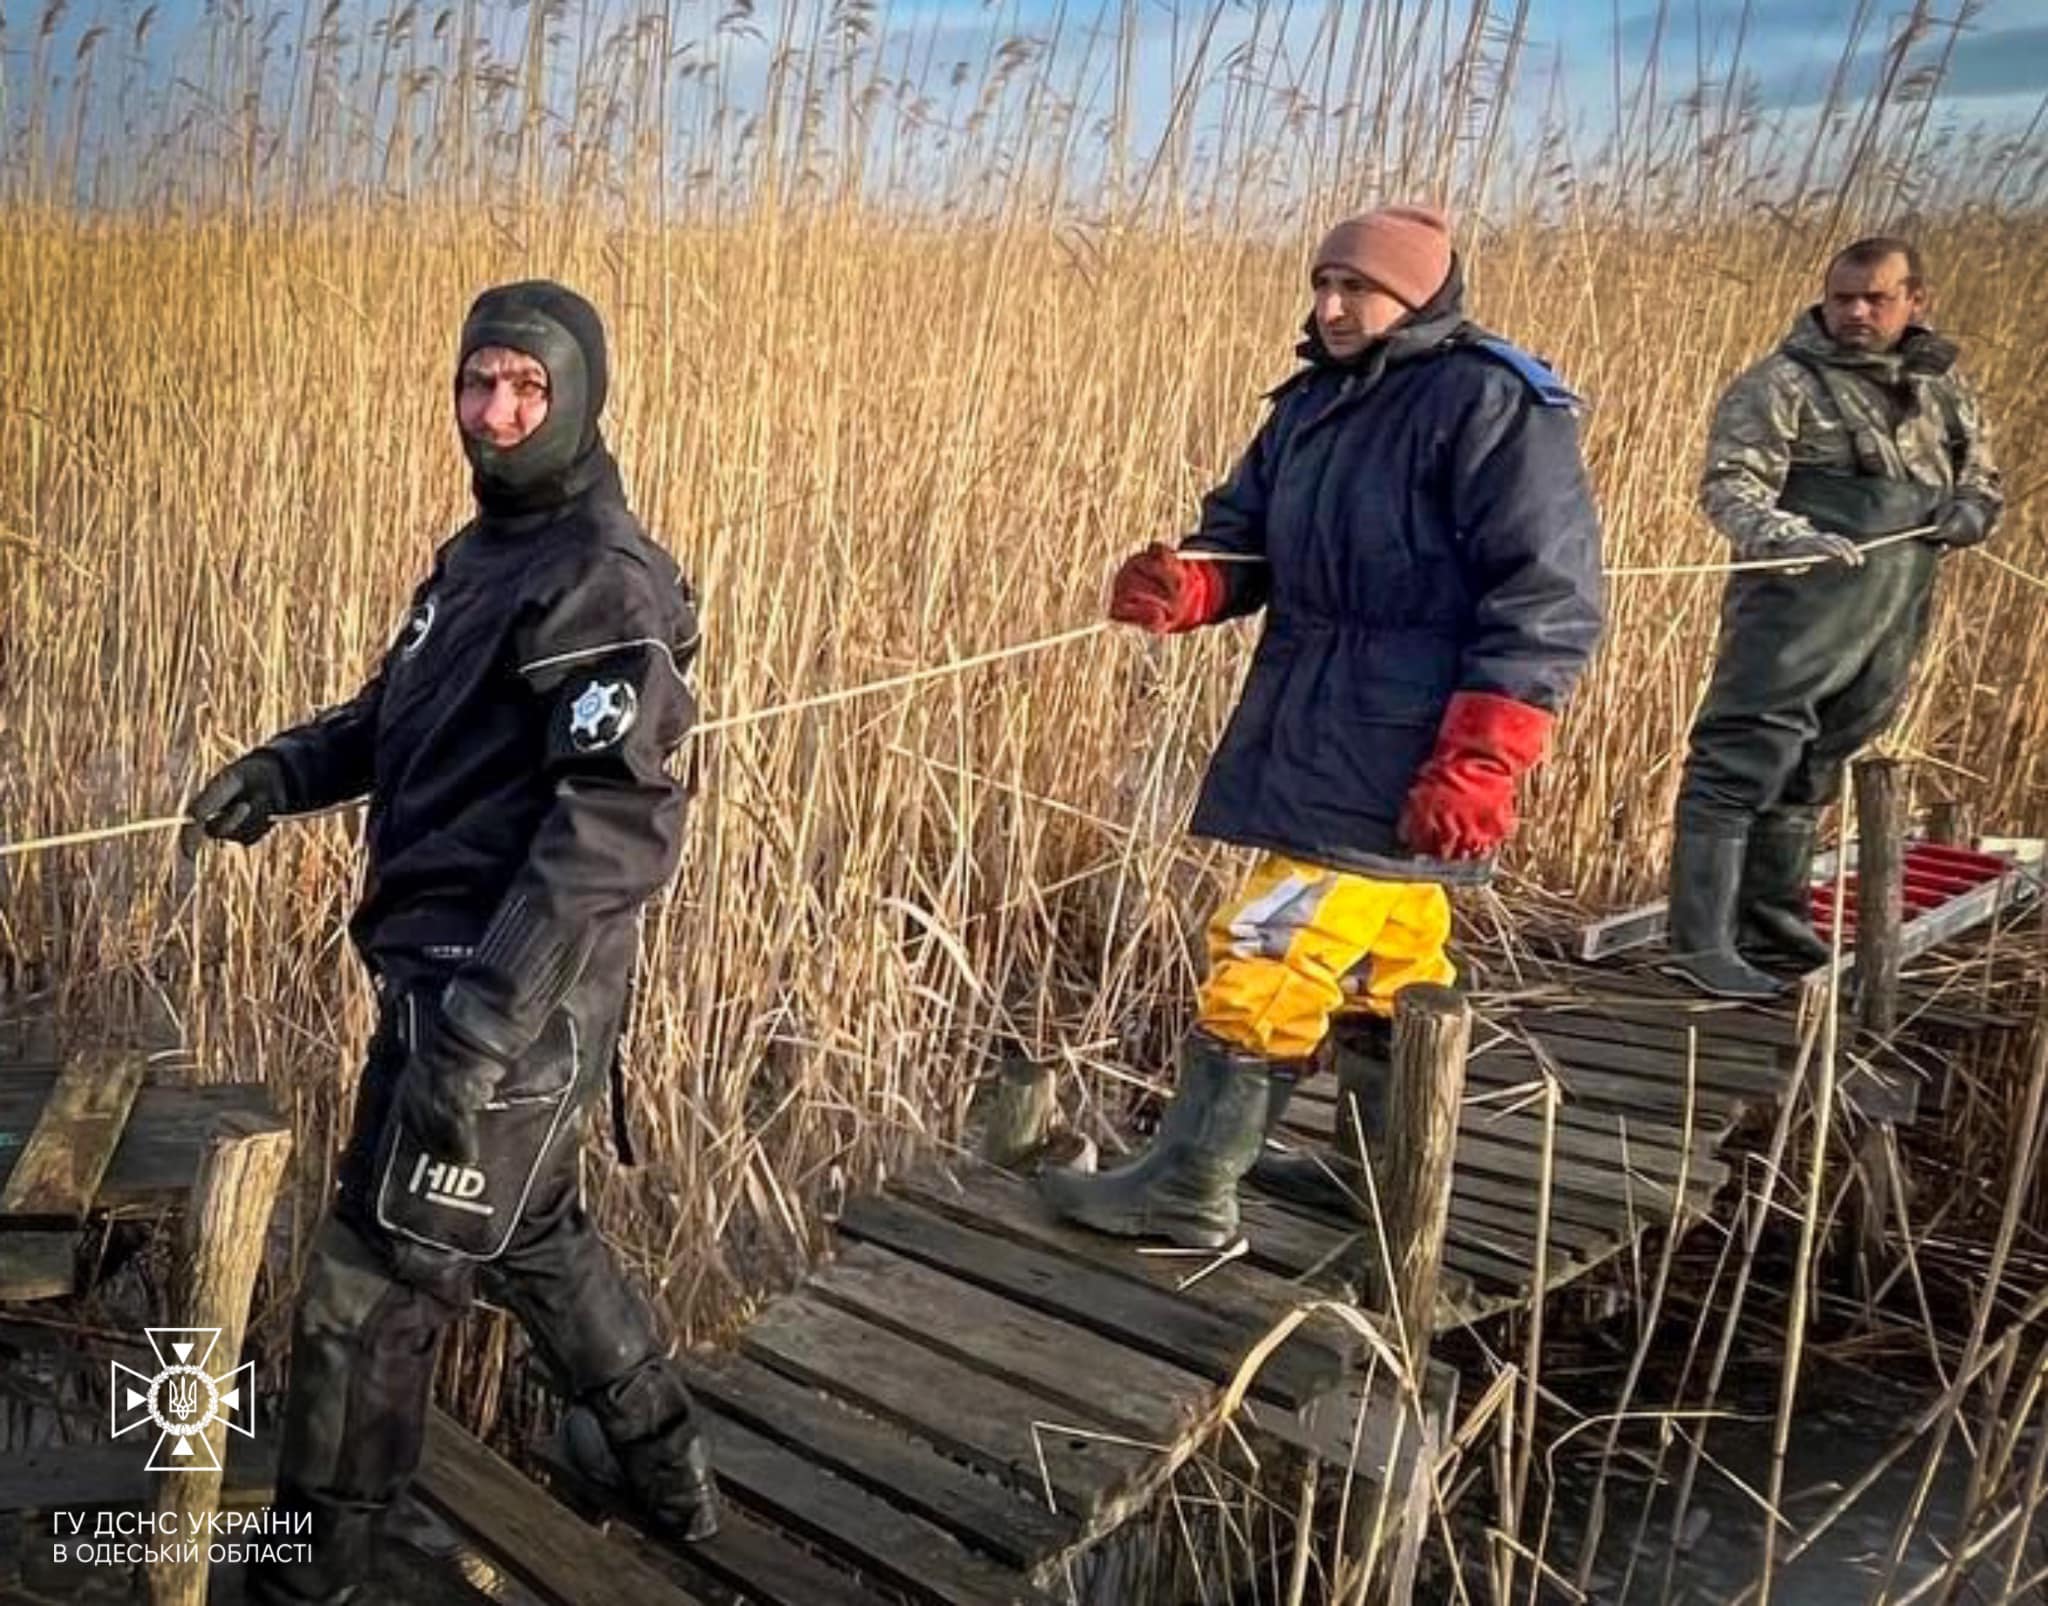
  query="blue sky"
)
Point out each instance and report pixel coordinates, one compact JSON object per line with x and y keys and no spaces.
{"x":2000,"y":55}
{"x":1996,"y":57}
{"x":1578,"y":52}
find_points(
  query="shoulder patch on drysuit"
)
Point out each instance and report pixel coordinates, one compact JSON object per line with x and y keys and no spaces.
{"x":602,"y":713}
{"x":1548,"y":388}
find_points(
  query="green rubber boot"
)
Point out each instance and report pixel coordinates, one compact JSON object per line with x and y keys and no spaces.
{"x":1776,"y":907}
{"x":1183,"y":1188}
{"x":1706,"y":878}
{"x":1362,"y":1051}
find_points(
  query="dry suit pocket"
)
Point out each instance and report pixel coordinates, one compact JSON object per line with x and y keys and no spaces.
{"x":471,"y":1210}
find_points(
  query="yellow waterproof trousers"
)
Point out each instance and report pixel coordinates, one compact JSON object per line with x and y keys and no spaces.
{"x":1301,"y":943}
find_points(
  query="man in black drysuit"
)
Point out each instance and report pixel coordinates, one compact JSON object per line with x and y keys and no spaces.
{"x":512,"y":745}
{"x":1856,"y":428}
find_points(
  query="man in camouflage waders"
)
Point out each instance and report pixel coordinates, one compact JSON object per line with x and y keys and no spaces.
{"x":1856,"y":428}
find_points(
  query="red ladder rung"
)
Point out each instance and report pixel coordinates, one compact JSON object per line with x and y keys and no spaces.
{"x":1980,"y":867}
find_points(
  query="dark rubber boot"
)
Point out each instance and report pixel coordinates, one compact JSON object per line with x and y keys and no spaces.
{"x":1776,"y":910}
{"x":344,"y":1538}
{"x":603,"y":1345}
{"x":649,"y":1425}
{"x":1361,"y":1048}
{"x":363,"y":1348}
{"x":1706,"y":877}
{"x":1183,"y":1188}
{"x":677,"y":1502}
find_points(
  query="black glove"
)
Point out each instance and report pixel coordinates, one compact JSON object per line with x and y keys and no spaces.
{"x":240,"y":803}
{"x":1966,"y":523}
{"x":445,"y":1086}
{"x":1807,"y":543}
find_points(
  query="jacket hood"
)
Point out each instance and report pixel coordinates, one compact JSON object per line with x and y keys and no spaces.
{"x":1919,"y":351}
{"x":565,"y":458}
{"x":1427,"y":327}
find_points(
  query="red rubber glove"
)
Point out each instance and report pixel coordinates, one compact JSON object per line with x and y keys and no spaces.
{"x":1462,"y":805}
{"x":1157,"y":590}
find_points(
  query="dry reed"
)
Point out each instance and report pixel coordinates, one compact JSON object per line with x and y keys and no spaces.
{"x":906,"y":358}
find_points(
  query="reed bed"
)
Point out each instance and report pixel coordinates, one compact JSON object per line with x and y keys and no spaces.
{"x":906,"y":356}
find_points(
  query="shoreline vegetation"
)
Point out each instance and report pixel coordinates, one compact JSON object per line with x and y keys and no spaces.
{"x":906,"y":358}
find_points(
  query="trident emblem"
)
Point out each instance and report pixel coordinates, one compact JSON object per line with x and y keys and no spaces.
{"x":183,"y":1394}
{"x":182,"y":1399}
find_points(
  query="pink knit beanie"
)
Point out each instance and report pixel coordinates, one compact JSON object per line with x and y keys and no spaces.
{"x":1403,"y":249}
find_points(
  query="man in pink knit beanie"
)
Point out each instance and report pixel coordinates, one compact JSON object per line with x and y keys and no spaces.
{"x":1403,"y":253}
{"x":1413,"y":521}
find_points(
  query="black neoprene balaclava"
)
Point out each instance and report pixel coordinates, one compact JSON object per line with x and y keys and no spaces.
{"x":566,"y":455}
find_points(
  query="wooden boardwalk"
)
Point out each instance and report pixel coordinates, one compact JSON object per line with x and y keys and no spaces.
{"x":1651,"y":1084}
{"x":970,"y":1402}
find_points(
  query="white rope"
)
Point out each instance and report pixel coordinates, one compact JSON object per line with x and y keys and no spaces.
{"x":847,"y":694}
{"x":1765,"y":565}
{"x":912,"y":678}
{"x":163,"y":822}
{"x":1645,"y":571}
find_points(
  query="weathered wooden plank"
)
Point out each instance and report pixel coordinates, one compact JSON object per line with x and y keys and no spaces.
{"x":1584,"y":1129}
{"x":1519,"y":1193}
{"x":38,"y":1265}
{"x":1603,"y":1024}
{"x":1322,"y":1252}
{"x":1586,"y":1121}
{"x":1006,"y":1206}
{"x":1519,"y":1225}
{"x":876,"y":1538}
{"x":1002,"y":1429}
{"x":1295,"y":1242}
{"x":1924,"y":1011}
{"x":1493,"y":1100}
{"x":1653,"y":1147}
{"x":1649,"y":996}
{"x":534,"y":1536}
{"x":1175,"y":1329}
{"x":1617,"y":1149}
{"x":1733,"y":1076}
{"x":1098,"y":1380}
{"x":58,"y":1171}
{"x":1013,"y":1527}
{"x":1567,"y":1176}
{"x":1714,"y":1112}
{"x":1486,"y":1264}
{"x":747,"y":1563}
{"x":158,"y":1156}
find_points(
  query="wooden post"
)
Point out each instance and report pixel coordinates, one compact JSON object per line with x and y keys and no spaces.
{"x":1432,"y":1028}
{"x":57,"y":1174}
{"x":1019,"y":1109}
{"x":1872,"y":1213}
{"x":1880,"y":893}
{"x":1949,"y":823}
{"x":226,"y":1228}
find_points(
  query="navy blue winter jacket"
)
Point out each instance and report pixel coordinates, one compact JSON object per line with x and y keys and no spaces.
{"x":1427,"y":528}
